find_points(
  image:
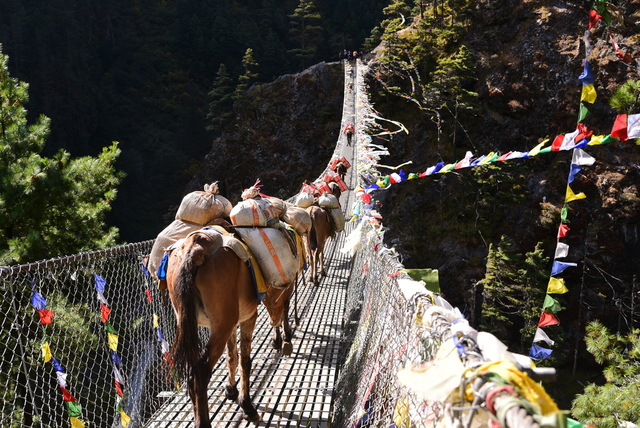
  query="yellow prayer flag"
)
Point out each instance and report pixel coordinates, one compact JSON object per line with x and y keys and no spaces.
{"x":113,"y":341}
{"x":596,"y":140}
{"x":156,"y":321}
{"x":124,"y":419}
{"x":537,"y":148}
{"x":556,"y":286}
{"x":447,"y":168}
{"x":46,"y":352}
{"x":76,"y":423}
{"x":588,"y":93}
{"x":570,"y":196}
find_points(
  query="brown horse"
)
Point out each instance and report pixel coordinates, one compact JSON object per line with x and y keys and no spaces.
{"x":322,"y":228}
{"x":211,"y":285}
{"x":277,"y":302}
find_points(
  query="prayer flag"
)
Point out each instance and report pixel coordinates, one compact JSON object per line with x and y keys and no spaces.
{"x":586,"y":77}
{"x":556,"y":286}
{"x":563,"y":230}
{"x":38,"y":301}
{"x":583,"y":113}
{"x":539,"y":353}
{"x":104,"y":311}
{"x":573,"y":170}
{"x":124,"y":419}
{"x":74,"y":409}
{"x":114,"y":357}
{"x":588,"y":94}
{"x":395,"y":178}
{"x":113,"y":341}
{"x":164,"y":345}
{"x":447,"y":168}
{"x":626,"y":126}
{"x":118,"y":388}
{"x":541,"y":336}
{"x":156,"y":320}
{"x":160,"y":336}
{"x":562,"y":250}
{"x":76,"y":423}
{"x":412,"y":175}
{"x":46,"y":316}
{"x":117,"y":375}
{"x":465,"y":162}
{"x":148,"y":293}
{"x":558,"y":267}
{"x":582,"y":158}
{"x":547,"y":319}
{"x":100,"y":282}
{"x":62,"y":379}
{"x":57,"y":365}
{"x":503,"y":157}
{"x":551,"y":305}
{"x":478,"y":161}
{"x":536,"y":149}
{"x":564,"y":213}
{"x":570,"y":196}
{"x":102,"y":299}
{"x":594,"y":17}
{"x":67,"y":395}
{"x":46,"y":351}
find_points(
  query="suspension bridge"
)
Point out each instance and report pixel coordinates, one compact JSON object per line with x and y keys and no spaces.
{"x":358,"y":356}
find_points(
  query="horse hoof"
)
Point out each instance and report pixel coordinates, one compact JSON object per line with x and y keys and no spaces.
{"x":231,"y":392}
{"x":276,"y":345}
{"x":253,"y":418}
{"x":287,"y":348}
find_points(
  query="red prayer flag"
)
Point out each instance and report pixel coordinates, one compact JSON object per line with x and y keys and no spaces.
{"x":594,"y":17}
{"x":46,"y":316}
{"x":67,"y":395}
{"x":619,"y":129}
{"x":504,"y":156}
{"x":118,"y":388}
{"x":149,"y":297}
{"x":557,"y":143}
{"x":583,"y":132}
{"x":546,"y":319}
{"x":105,"y":311}
{"x":563,"y":230}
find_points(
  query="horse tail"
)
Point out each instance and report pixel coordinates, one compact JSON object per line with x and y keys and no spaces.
{"x":185,"y":350}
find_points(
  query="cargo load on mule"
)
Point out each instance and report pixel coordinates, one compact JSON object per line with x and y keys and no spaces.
{"x":196,"y":210}
{"x":330,"y":203}
{"x":261,"y":222}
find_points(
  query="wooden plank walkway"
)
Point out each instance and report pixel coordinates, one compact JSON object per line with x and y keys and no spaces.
{"x":295,"y":390}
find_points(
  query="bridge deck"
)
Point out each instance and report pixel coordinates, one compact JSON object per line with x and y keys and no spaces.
{"x":295,"y":390}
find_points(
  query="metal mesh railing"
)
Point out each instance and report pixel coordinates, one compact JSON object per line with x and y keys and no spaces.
{"x":66,"y":371}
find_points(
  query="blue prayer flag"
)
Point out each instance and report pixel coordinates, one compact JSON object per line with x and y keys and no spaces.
{"x":114,"y":357}
{"x":100,"y":282}
{"x":539,"y":353}
{"x":560,"y":266}
{"x":57,"y":365}
{"x":586,"y":77}
{"x":573,"y":170}
{"x":37,"y":301}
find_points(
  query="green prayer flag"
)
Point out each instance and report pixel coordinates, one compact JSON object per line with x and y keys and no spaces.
{"x":583,"y":113}
{"x":564,"y":213}
{"x":74,"y":409}
{"x":545,"y":150}
{"x":551,"y":305}
{"x":110,"y":328}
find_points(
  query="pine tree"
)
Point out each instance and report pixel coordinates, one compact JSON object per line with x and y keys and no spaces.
{"x":615,"y":403}
{"x":48,"y":206}
{"x":305,"y":31}
{"x":249,"y":64}
{"x":220,"y":100}
{"x":513,"y":292}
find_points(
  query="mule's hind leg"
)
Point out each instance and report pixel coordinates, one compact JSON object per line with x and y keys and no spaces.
{"x":201,"y":374}
{"x":246,"y":335}
{"x":231,"y":389}
{"x":287,"y":347}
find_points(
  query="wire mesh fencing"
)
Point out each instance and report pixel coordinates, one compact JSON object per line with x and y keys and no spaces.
{"x":83,"y":341}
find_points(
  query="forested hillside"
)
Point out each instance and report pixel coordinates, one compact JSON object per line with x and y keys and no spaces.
{"x":139,"y":72}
